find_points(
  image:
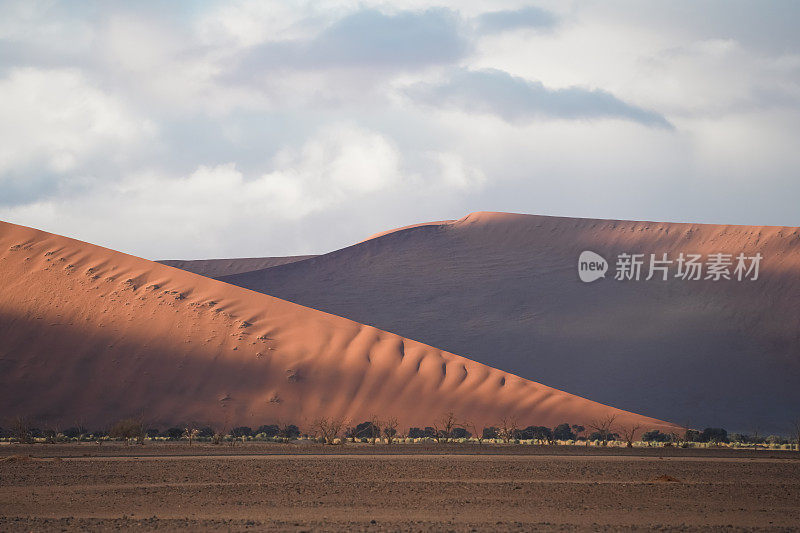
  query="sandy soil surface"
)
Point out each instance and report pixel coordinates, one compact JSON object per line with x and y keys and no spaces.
{"x":382,"y":488}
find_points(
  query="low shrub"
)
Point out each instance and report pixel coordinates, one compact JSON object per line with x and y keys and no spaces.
{"x":128,"y":429}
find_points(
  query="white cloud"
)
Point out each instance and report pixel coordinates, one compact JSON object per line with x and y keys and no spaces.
{"x":246,"y":23}
{"x":341,"y":161}
{"x":55,"y":119}
{"x":340,"y":165}
{"x":456,"y":173}
{"x":717,"y":77}
{"x":167,"y":68}
{"x":45,"y":23}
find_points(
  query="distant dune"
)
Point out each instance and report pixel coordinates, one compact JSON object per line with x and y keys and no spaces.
{"x":214,"y":268}
{"x":503,"y":289}
{"x":90,"y":335}
{"x":412,"y":226}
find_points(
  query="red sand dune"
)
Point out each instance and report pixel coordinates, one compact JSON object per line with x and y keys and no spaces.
{"x":214,"y":268}
{"x":503,"y":289}
{"x":395,"y":230}
{"x":90,"y":335}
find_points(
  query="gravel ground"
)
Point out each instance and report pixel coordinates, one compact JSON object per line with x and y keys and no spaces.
{"x":394,"y":488}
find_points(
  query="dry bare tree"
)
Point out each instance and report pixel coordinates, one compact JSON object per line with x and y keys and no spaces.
{"x":21,"y":430}
{"x":375,"y":425}
{"x":288,"y":430}
{"x":756,"y":435}
{"x":337,"y":427}
{"x":473,"y":428}
{"x":80,"y":423}
{"x":604,"y":426}
{"x":328,"y":428}
{"x":445,"y":425}
{"x":51,"y":432}
{"x":102,"y":436}
{"x":320,"y":428}
{"x":352,"y":431}
{"x":390,"y":429}
{"x":507,"y":429}
{"x":629,"y":433}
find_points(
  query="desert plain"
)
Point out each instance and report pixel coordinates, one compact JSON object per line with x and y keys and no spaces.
{"x":363,"y":487}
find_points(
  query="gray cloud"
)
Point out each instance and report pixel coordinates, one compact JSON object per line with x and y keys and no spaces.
{"x":372,"y":39}
{"x":519,"y":100}
{"x":27,"y":185}
{"x":767,"y":26}
{"x":526,"y":17}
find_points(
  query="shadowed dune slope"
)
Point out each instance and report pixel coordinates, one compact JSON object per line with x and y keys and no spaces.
{"x":214,"y":268}
{"x":91,"y":335}
{"x":503,"y":289}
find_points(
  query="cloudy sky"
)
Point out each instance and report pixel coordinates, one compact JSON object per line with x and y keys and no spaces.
{"x":253,"y":128}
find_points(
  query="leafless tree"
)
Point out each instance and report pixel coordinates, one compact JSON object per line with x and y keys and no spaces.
{"x":321,"y":428}
{"x":222,"y":430}
{"x":375,"y":428}
{"x":390,"y":429}
{"x":51,"y":432}
{"x":80,"y":423}
{"x":473,"y":428}
{"x":328,"y":428}
{"x":604,"y":426}
{"x":102,"y":436}
{"x":508,"y":428}
{"x":629,"y":433}
{"x":445,"y":425}
{"x":21,"y":430}
{"x":352,"y":431}
{"x":287,"y":430}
